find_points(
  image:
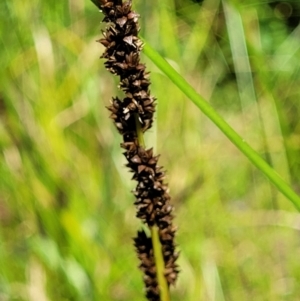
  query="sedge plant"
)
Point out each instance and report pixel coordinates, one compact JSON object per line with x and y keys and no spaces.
{"x":133,"y":116}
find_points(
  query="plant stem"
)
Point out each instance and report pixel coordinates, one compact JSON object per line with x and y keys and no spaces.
{"x":231,"y":134}
{"x":139,"y":131}
{"x":157,"y":249}
{"x":160,"y":265}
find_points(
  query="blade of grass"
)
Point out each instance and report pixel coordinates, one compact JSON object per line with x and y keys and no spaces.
{"x":240,"y":57}
{"x":272,"y":115}
{"x":230,"y":133}
{"x":200,"y":31}
{"x":244,"y":78}
{"x":168,"y":28}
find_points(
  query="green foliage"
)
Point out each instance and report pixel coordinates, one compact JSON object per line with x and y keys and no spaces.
{"x":66,"y":211}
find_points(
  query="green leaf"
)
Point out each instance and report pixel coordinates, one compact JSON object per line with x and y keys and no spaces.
{"x":229,"y":132}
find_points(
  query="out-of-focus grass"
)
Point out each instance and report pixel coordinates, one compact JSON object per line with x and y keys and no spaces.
{"x":66,"y":212}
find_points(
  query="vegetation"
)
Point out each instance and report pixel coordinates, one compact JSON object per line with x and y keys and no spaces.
{"x":66,"y":211}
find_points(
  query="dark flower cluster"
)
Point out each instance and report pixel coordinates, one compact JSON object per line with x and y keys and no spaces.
{"x":144,"y":249}
{"x":122,"y":55}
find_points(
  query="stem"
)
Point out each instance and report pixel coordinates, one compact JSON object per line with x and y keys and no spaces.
{"x":160,"y":265}
{"x":231,"y":134}
{"x":139,"y":131}
{"x":157,"y":249}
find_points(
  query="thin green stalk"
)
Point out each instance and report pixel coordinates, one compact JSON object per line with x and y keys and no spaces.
{"x":230,"y":133}
{"x":157,"y":249}
{"x":139,"y":131}
{"x":160,"y":265}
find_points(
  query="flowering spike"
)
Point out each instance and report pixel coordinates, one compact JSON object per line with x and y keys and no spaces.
{"x":133,"y":115}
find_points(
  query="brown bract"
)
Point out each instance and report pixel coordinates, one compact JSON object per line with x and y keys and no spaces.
{"x":122,"y":58}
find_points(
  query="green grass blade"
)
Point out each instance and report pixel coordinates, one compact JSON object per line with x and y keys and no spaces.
{"x":230,"y":133}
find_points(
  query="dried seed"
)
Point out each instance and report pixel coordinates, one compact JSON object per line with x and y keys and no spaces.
{"x":136,"y":159}
{"x":128,"y":40}
{"x":121,"y":21}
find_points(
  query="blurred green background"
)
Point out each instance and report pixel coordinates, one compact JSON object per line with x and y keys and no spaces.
{"x":66,"y":212}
